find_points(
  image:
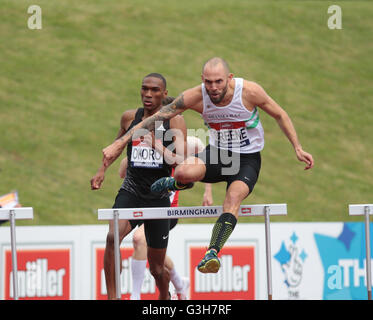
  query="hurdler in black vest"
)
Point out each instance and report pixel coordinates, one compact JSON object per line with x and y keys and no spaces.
{"x":145,"y":164}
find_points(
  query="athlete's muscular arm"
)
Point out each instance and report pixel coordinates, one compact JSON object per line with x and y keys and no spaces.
{"x":189,"y":99}
{"x":175,"y":153}
{"x":257,"y":96}
{"x":123,"y":168}
{"x":207,"y":196}
{"x":125,"y":121}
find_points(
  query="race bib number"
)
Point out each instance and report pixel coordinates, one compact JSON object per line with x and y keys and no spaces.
{"x":230,"y":134}
{"x":143,"y":156}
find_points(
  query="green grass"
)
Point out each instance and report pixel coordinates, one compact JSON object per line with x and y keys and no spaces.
{"x":64,"y":88}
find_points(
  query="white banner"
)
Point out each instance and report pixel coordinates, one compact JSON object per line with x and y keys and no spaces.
{"x":309,"y":261}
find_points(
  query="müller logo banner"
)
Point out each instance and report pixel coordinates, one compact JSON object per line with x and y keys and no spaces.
{"x":148,"y":290}
{"x":42,"y":274}
{"x":235,"y":279}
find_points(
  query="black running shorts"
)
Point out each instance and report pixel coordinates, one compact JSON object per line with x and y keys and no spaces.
{"x":223,"y":165}
{"x":156,"y":231}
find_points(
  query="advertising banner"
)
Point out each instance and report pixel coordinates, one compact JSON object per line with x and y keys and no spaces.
{"x":323,"y":261}
{"x":235,"y":281}
{"x":48,"y":260}
{"x":319,"y":261}
{"x":148,"y":291}
{"x":42,"y":274}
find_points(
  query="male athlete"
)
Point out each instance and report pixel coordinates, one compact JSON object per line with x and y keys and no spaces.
{"x":229,"y":107}
{"x":146,"y":165}
{"x":139,"y":260}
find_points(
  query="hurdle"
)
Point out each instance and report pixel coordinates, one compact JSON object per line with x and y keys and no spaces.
{"x":117,"y":214}
{"x":365,"y":210}
{"x":13,"y":214}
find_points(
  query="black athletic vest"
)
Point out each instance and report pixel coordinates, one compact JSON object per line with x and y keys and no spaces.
{"x":145,"y":165}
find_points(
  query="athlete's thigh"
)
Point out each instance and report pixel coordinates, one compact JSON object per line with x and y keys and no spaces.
{"x":191,"y":168}
{"x":139,"y":235}
{"x":139,"y":231}
{"x":124,"y":199}
{"x":247,"y":174}
{"x":213,"y":165}
{"x":157,"y":232}
{"x":124,"y":228}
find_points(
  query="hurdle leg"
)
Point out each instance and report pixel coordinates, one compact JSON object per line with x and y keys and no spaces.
{"x":14,"y":252}
{"x":368,"y":257}
{"x":117,"y":255}
{"x":268,"y":251}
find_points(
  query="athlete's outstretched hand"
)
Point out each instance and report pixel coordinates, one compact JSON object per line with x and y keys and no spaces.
{"x":97,"y":180}
{"x":112,"y":152}
{"x":207,"y":200}
{"x":207,"y":196}
{"x":305,"y":157}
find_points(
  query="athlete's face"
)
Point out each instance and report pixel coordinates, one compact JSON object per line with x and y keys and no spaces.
{"x":152,"y":93}
{"x":216,"y":81}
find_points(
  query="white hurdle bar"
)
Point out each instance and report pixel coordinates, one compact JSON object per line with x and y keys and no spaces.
{"x":117,"y":214}
{"x":365,"y":210}
{"x":12,"y":215}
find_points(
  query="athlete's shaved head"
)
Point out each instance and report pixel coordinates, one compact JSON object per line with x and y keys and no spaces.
{"x":216,"y":77}
{"x":215,"y":62}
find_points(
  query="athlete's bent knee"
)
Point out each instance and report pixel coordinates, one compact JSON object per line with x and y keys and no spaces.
{"x":234,"y":198}
{"x":156,"y":271}
{"x":138,"y":241}
{"x":187,"y":173}
{"x":182,"y":175}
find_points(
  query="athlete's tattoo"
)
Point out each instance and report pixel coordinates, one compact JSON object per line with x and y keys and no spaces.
{"x":177,"y":104}
{"x":165,"y":113}
{"x":128,"y":133}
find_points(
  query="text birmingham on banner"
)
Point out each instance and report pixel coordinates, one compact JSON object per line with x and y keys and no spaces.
{"x":192,"y":212}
